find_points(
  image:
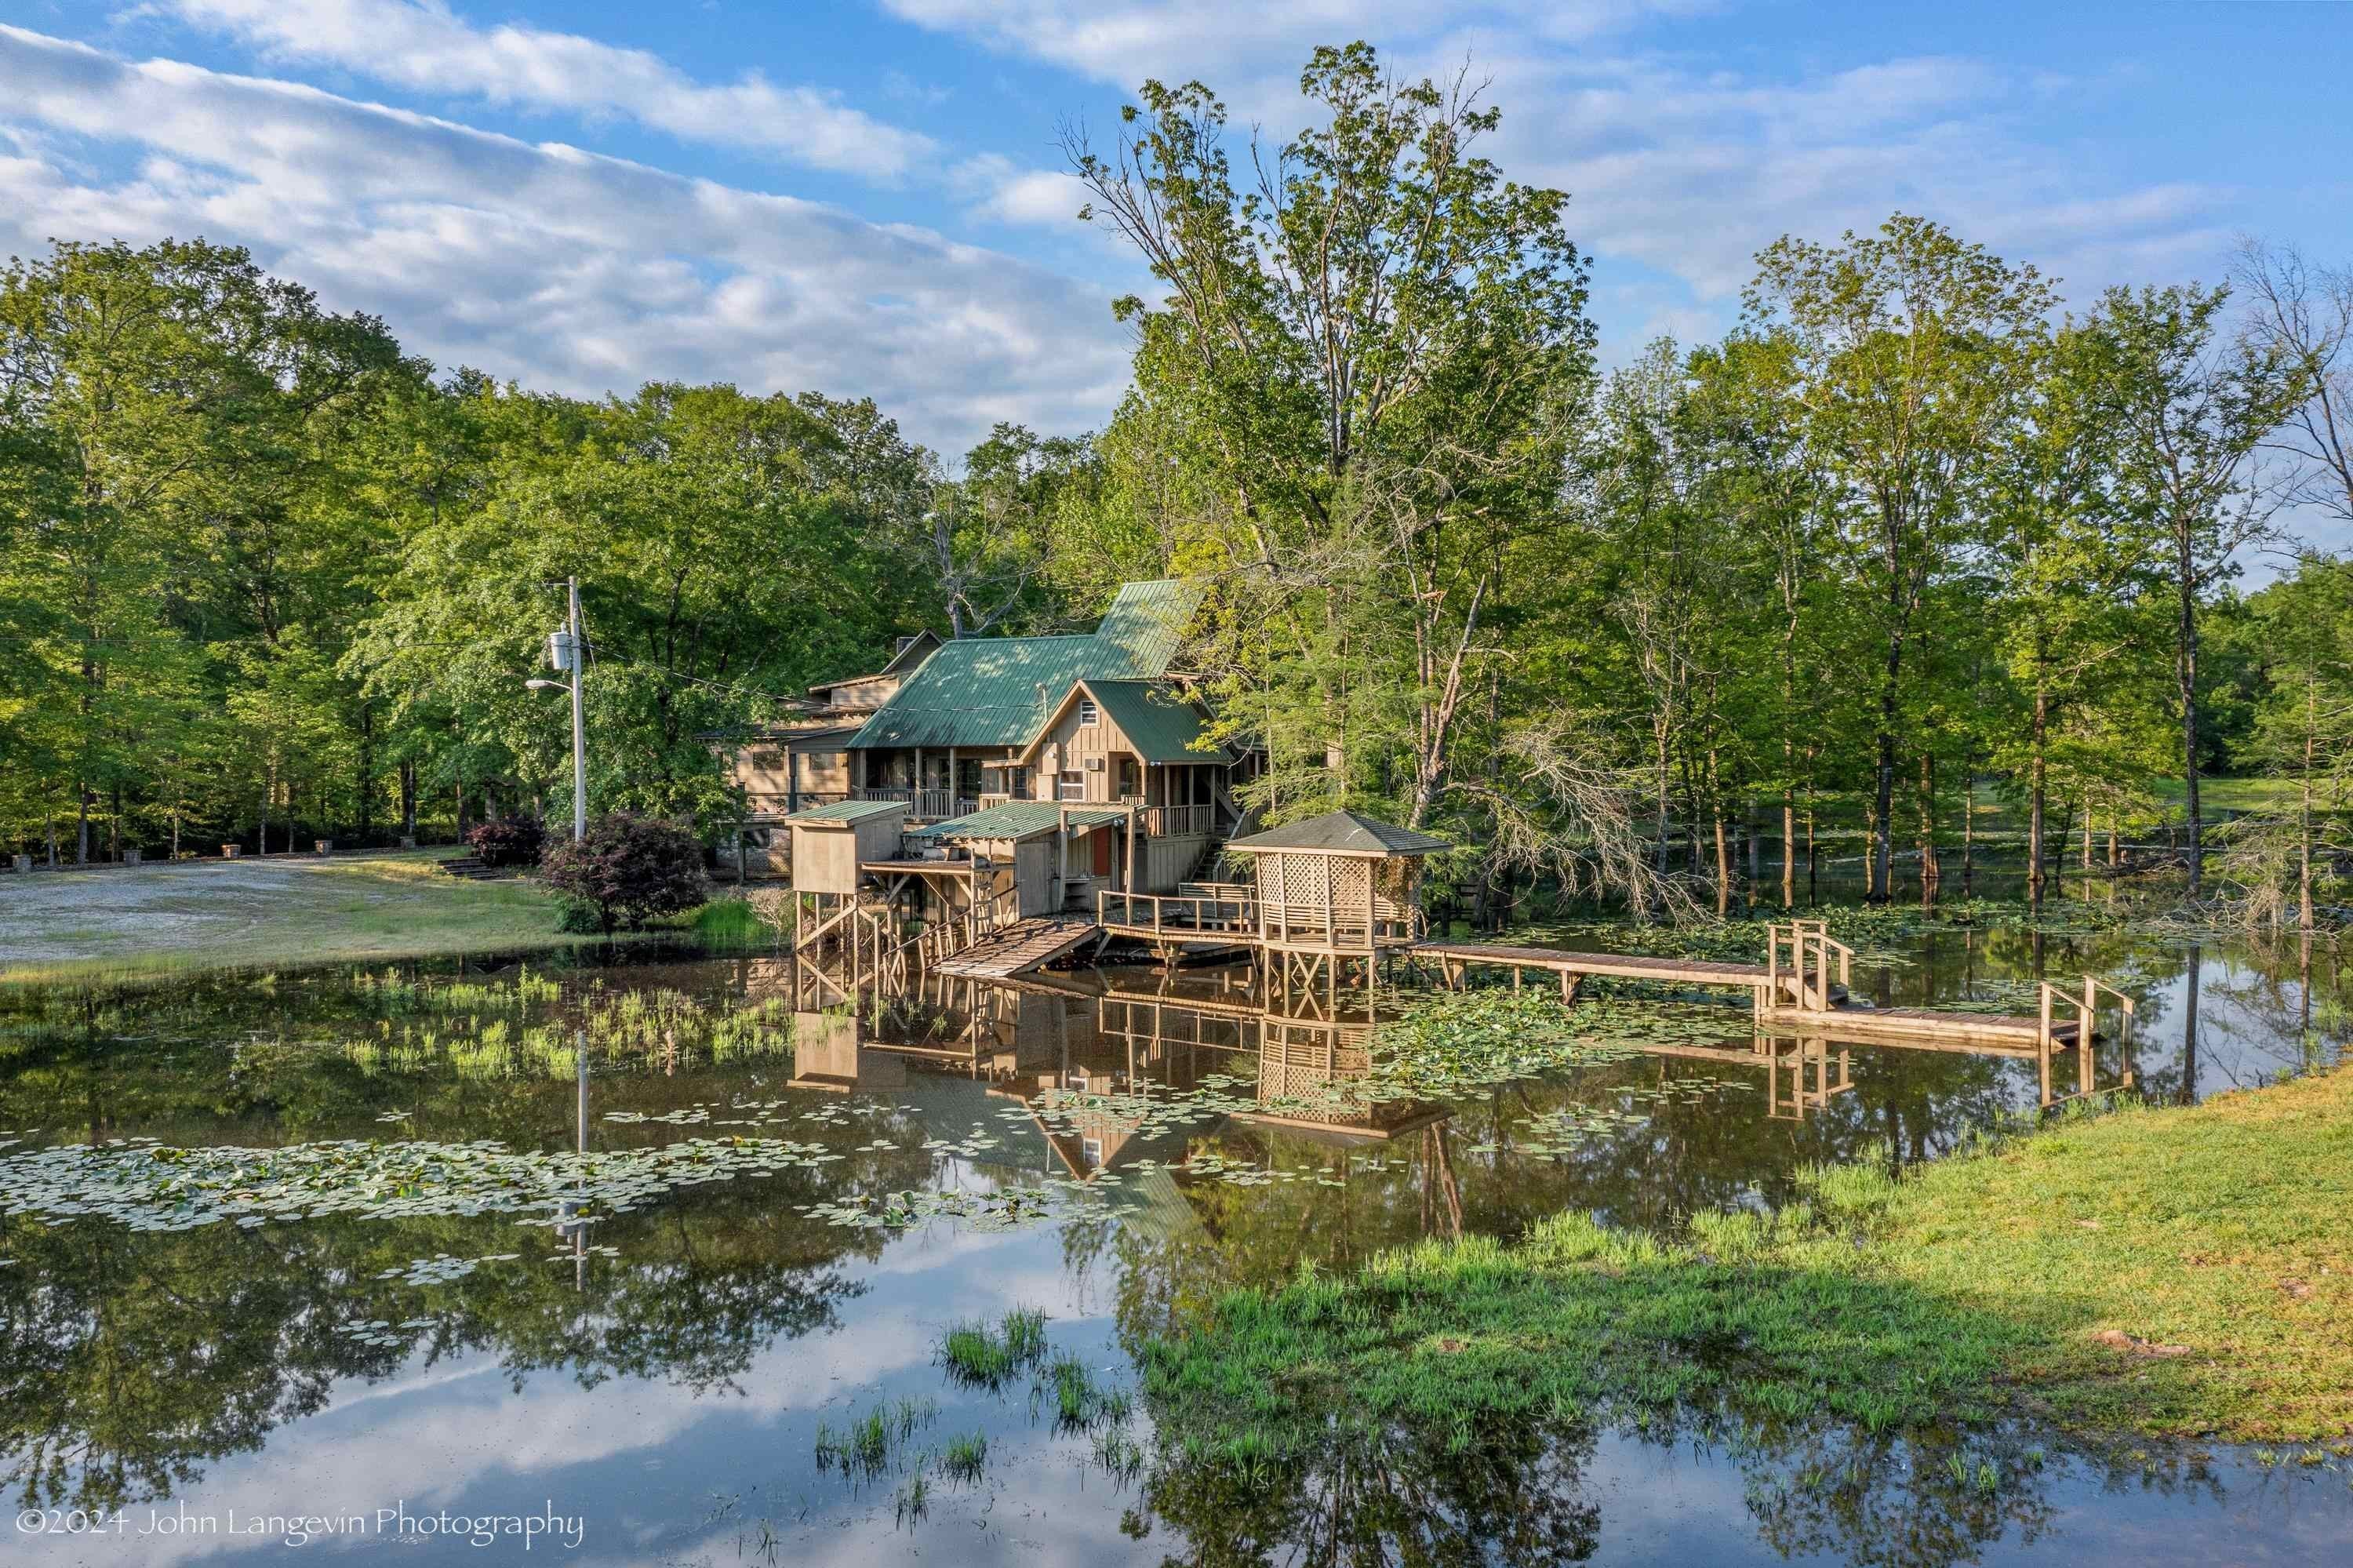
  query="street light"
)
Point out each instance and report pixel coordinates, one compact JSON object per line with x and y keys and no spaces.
{"x":564,"y":653}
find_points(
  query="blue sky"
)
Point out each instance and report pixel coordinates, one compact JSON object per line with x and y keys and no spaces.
{"x":869,"y":198}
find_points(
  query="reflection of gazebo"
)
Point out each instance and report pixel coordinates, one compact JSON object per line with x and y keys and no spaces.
{"x":1337,"y":885}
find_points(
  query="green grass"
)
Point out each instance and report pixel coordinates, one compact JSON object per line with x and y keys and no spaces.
{"x":288,"y":910}
{"x":1066,"y":1386}
{"x":262,"y":912}
{"x":866,"y":1446}
{"x":965,"y":1459}
{"x":2161,"y":1271}
{"x":2230,"y":794}
{"x":978,"y":1354}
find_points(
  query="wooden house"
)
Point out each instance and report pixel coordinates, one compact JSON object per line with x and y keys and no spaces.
{"x":957,"y":728}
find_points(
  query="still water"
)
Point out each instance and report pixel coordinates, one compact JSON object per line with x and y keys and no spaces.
{"x":628,"y":1252}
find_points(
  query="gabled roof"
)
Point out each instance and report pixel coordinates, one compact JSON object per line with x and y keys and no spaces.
{"x":1018,"y":819}
{"x":847,"y":812}
{"x":992,"y":691}
{"x":1155,"y":716}
{"x":1341,"y":832}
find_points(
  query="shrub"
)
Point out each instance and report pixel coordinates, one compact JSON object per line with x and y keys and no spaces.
{"x":515,"y":842}
{"x":632,"y":869}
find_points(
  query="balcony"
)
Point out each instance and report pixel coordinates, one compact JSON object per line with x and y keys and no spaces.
{"x":922,"y":805}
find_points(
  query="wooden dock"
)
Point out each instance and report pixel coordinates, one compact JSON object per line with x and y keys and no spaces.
{"x":1022,"y":946}
{"x":1454,"y":957}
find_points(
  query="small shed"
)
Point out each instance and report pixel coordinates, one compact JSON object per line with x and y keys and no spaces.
{"x":1340,"y":883}
{"x":830,"y":842}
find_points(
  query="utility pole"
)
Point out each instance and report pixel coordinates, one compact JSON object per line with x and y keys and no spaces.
{"x":579,"y":741}
{"x":564,"y":651}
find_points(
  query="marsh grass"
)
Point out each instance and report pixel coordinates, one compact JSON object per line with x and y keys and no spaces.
{"x":978,"y":1354}
{"x":1066,"y":1387}
{"x":869,"y":1445}
{"x":965,"y":1459}
{"x":2054,"y":1273}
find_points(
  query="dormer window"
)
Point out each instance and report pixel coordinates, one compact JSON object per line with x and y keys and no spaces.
{"x":1088,"y":712}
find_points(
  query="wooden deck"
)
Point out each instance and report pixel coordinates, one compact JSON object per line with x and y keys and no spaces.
{"x":1022,"y":946}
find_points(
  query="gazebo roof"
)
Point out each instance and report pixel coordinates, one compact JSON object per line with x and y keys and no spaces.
{"x":1341,"y":832}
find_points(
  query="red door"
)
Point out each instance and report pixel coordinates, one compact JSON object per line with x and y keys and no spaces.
{"x":1101,"y":837}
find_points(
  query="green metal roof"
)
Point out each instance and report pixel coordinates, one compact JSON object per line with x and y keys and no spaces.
{"x":995,"y":691}
{"x":1341,"y":832}
{"x":1147,"y":622}
{"x":1017,"y":820}
{"x":847,"y":811}
{"x":1158,"y":719}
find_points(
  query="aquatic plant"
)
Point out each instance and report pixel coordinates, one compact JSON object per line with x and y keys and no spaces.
{"x":978,"y":1355}
{"x":966,"y":1457}
{"x":866,"y":1446}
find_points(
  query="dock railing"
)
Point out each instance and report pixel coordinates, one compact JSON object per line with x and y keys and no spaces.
{"x":1179,"y":916}
{"x":2084,"y":1003}
{"x":1804,"y":951}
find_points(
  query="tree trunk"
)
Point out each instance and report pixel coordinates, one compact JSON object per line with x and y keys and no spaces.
{"x":1788,"y":845}
{"x":2186,"y":676}
{"x":1969,"y":829}
{"x":1930,"y":873}
{"x":81,"y":824}
{"x":2304,"y":822}
{"x":2037,"y":779}
{"x":407,"y":799}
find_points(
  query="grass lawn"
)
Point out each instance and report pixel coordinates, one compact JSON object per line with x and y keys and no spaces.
{"x":261,"y":911}
{"x":2157,"y":1271}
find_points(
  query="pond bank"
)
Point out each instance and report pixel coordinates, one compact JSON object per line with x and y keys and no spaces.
{"x":282,"y":910}
{"x":2165,"y":1271}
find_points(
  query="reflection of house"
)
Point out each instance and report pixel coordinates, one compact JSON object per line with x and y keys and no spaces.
{"x":1095,"y":722}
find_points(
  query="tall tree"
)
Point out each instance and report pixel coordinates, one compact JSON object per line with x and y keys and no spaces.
{"x":2191,"y":408}
{"x":1913,"y":348}
{"x":1371,"y":349}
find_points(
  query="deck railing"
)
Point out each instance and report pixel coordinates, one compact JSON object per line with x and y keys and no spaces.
{"x":1178,"y":821}
{"x":922,"y":805}
{"x":1177,"y":916}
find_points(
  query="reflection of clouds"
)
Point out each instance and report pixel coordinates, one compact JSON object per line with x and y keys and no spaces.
{"x":457,"y":1435}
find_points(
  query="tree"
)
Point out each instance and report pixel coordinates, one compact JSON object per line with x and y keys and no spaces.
{"x":2304,"y":315}
{"x":2191,"y":409}
{"x":1913,"y":348}
{"x":1370,"y":353}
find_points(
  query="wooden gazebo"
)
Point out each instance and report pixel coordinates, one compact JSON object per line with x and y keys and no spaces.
{"x":1338,"y":886}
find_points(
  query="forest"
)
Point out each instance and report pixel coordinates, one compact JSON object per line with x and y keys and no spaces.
{"x":1927,"y":546}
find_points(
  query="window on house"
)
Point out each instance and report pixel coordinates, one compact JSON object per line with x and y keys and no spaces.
{"x":1088,"y":712}
{"x":1072,"y":786}
{"x":1127,"y":781}
{"x":1091,"y":1148}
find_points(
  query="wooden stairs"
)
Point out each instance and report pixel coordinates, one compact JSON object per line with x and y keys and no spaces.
{"x":1020,"y":947}
{"x":471,"y":868}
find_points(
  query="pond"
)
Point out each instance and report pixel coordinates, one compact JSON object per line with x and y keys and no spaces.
{"x":657,"y":1257}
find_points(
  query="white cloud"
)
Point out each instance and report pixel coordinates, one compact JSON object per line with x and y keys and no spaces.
{"x":1671,"y":162}
{"x":422,"y":45}
{"x":1004,"y":192}
{"x":569,"y":270}
{"x":1123,"y":41}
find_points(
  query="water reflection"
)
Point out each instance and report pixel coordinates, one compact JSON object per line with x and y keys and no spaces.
{"x":664,"y":1371}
